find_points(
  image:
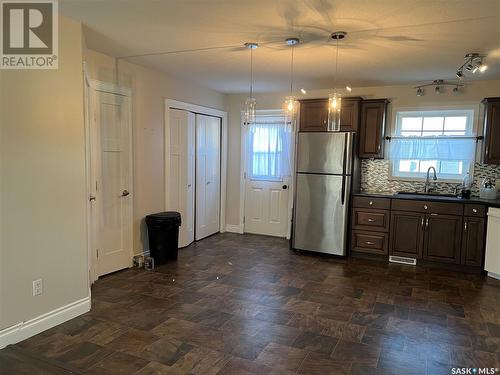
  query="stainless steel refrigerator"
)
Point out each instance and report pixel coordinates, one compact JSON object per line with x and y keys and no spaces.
{"x":323,"y":186}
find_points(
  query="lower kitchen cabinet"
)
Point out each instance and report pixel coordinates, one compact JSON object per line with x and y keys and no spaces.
{"x":442,"y":236}
{"x":473,"y":241}
{"x":406,"y":234}
{"x":434,"y":232}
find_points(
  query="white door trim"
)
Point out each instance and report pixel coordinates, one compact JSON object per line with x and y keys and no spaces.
{"x":241,"y":226}
{"x":94,"y":85}
{"x":175,"y":104}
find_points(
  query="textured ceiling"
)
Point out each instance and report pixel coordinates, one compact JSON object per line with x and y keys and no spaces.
{"x":388,"y":42}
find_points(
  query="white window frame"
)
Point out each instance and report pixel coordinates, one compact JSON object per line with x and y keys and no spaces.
{"x":471,"y":110}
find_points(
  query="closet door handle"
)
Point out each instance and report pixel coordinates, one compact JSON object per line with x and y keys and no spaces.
{"x":125,"y":193}
{"x":208,"y":182}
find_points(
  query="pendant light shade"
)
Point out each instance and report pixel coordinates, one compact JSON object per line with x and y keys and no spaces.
{"x":291,"y":104}
{"x":334,"y":107}
{"x":335,"y":99}
{"x":249,"y":112}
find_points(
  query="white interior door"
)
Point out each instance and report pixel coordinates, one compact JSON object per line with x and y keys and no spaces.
{"x":111,"y":169}
{"x":182,"y":171}
{"x":207,"y":175}
{"x":267,"y":177}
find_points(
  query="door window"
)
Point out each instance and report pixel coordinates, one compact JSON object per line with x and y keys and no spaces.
{"x":268,"y":148}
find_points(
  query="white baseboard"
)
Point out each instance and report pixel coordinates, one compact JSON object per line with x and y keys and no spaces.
{"x":32,"y":327}
{"x":494,"y":275}
{"x":234,"y":229}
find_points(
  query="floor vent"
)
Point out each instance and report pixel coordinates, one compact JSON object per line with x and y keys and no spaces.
{"x":403,"y":260}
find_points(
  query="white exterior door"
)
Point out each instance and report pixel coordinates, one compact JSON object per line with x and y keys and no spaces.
{"x":267,"y":156}
{"x":182,"y":171}
{"x":111,"y":171}
{"x":266,"y":207}
{"x":207,"y":175}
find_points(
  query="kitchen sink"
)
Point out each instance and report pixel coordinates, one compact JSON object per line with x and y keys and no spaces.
{"x":429,"y":194}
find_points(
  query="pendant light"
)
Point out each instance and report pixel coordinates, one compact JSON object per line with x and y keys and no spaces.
{"x":290,"y":101}
{"x":335,"y":98}
{"x":250,"y":104}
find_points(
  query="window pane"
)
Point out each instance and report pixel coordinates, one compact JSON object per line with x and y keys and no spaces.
{"x":455,"y":123}
{"x":411,"y":123}
{"x":426,"y":164}
{"x":411,"y":133}
{"x":408,"y":165}
{"x":433,"y":124}
{"x":452,"y":167}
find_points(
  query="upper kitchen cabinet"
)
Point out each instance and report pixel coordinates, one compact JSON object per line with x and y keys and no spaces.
{"x":313,"y":116}
{"x":492,"y":130}
{"x":372,"y":128}
{"x":349,"y":114}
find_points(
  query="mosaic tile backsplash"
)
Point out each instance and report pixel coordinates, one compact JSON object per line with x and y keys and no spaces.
{"x":375,"y":177}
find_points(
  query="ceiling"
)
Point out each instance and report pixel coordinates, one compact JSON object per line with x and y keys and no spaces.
{"x":388,"y":42}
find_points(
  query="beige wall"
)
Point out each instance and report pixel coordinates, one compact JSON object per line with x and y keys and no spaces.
{"x":150,"y":89}
{"x":42,"y":188}
{"x":400,"y":96}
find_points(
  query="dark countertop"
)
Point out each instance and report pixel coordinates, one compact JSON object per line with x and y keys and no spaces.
{"x":431,"y":198}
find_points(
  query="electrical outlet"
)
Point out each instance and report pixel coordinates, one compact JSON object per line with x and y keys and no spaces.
{"x":37,"y":287}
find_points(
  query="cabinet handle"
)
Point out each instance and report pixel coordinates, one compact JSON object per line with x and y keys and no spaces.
{"x":422,"y":225}
{"x":371,"y":203}
{"x":486,"y":151}
{"x":474,"y":210}
{"x":425,"y":207}
{"x":465,"y":226}
{"x":370,"y":243}
{"x":427,"y":223}
{"x":370,"y":220}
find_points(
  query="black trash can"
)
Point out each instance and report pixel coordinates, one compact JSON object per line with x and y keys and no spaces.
{"x":163,"y":233}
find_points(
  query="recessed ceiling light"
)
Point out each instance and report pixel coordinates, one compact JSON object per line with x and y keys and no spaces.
{"x":348,"y":88}
{"x":303,"y":91}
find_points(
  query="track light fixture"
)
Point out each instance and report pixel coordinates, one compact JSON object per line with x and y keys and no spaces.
{"x":473,"y":64}
{"x":439,"y":86}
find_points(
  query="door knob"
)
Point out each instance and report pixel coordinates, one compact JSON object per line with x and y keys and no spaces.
{"x":91,"y":198}
{"x":125,"y":193}
{"x":285,"y":187}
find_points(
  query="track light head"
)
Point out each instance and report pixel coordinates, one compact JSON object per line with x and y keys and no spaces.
{"x":292,"y":41}
{"x":438,"y":89}
{"x":460,"y":74}
{"x":456,"y":90}
{"x":348,"y":88}
{"x":251,"y":45}
{"x":420,"y":91}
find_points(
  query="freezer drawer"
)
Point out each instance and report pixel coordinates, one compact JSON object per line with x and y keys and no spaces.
{"x":320,"y":222}
{"x":325,"y":153}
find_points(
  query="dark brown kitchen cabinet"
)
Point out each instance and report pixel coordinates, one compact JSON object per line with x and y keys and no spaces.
{"x":442,"y":238}
{"x":349,"y":114}
{"x":407,"y":234}
{"x":473,"y":241}
{"x":491,"y":130}
{"x":372,"y":128}
{"x":313,"y":115}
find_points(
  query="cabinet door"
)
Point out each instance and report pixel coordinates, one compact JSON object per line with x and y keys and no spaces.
{"x":473,"y":241}
{"x":406,"y":234}
{"x":349,"y":114}
{"x":492,"y":131}
{"x":372,"y":129}
{"x":443,"y":234}
{"x":313,"y":115}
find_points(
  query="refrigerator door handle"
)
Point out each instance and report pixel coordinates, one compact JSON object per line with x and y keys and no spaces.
{"x":342,"y":194}
{"x":344,"y":160}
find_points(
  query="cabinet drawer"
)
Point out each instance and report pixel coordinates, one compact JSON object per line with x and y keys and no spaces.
{"x":369,"y":242}
{"x":427,"y":207}
{"x":369,"y":202}
{"x":477,"y":210}
{"x":366,"y":219}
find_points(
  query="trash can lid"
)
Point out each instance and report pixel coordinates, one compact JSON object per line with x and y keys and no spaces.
{"x":167,"y":216}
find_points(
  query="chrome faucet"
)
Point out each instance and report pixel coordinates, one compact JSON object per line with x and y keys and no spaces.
{"x":427,"y":182}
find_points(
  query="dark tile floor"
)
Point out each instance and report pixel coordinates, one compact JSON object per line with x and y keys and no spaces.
{"x":247,"y":304}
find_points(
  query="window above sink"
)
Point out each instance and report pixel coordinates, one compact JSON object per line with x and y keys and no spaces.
{"x":443,"y":139}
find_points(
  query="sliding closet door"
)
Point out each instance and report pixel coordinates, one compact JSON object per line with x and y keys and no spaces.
{"x":182,"y":174}
{"x":207,"y":175}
